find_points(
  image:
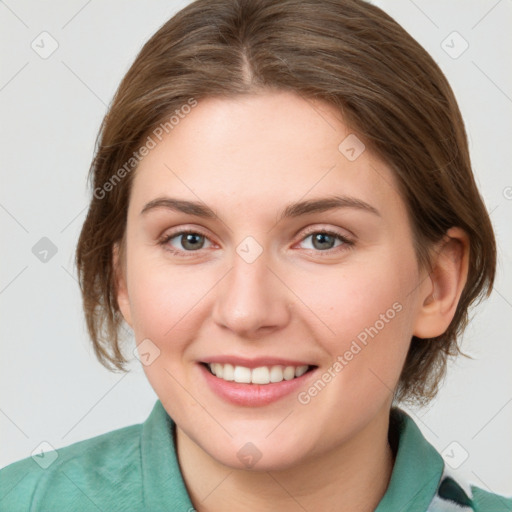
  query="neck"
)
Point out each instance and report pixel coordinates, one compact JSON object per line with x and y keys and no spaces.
{"x":354,"y":476}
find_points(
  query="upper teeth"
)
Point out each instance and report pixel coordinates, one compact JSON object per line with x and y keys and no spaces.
{"x":260,"y":375}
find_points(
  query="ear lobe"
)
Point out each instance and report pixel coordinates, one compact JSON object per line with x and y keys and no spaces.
{"x":122,"y":297}
{"x":441,"y":293}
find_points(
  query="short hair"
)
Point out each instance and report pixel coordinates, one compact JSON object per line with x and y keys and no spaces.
{"x":348,"y":53}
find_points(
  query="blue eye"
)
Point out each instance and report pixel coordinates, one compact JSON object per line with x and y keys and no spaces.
{"x":190,"y":241}
{"x":323,"y":240}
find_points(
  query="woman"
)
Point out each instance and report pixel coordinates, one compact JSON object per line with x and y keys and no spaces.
{"x":284,"y":213}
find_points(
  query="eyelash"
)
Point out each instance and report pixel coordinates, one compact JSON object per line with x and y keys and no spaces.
{"x":346,"y":245}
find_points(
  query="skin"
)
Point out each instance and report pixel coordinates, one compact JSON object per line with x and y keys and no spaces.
{"x":247,"y":158}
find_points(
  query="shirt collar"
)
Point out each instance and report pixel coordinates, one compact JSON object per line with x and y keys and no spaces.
{"x":162,"y":482}
{"x":416,"y":472}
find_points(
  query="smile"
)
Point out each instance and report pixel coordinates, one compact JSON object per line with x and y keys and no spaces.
{"x":256,"y":382}
{"x":259,"y":375}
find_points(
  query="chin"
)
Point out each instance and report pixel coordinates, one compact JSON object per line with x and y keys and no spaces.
{"x":257,"y":456}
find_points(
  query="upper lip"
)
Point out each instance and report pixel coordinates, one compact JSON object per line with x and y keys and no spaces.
{"x":255,"y":362}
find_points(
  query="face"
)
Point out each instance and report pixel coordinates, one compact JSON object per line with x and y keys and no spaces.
{"x":263,"y":291}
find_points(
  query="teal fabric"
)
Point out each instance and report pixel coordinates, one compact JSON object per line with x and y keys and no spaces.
{"x":416,"y":473}
{"x":130,"y":469}
{"x":135,"y":469}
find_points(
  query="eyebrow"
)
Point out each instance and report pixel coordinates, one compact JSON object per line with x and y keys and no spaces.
{"x":292,"y":210}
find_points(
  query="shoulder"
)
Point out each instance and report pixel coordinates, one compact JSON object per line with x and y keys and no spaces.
{"x":422,"y":478}
{"x":484,"y":501}
{"x":70,"y":475}
{"x":456,"y":493}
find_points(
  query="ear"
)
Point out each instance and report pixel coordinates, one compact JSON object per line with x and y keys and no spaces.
{"x":123,"y":300}
{"x":441,"y":291}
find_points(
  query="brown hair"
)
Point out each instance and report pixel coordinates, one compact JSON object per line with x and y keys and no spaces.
{"x":346,"y":52}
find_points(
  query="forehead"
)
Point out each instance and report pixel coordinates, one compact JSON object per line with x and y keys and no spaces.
{"x":265,"y":149}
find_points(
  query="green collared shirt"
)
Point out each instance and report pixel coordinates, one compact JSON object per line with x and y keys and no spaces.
{"x":135,"y":469}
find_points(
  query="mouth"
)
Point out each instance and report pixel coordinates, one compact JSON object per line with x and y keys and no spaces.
{"x":261,"y":375}
{"x":255,"y":382}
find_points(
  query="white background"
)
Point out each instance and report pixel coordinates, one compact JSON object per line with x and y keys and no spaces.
{"x":53,"y":389}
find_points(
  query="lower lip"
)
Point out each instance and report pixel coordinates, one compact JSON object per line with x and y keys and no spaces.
{"x":253,"y":395}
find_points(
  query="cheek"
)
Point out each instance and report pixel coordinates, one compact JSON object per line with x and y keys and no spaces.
{"x":165,"y":302}
{"x":364,"y":314}
{"x":163,"y":299}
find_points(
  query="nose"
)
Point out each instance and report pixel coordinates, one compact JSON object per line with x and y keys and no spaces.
{"x":252,"y":300}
